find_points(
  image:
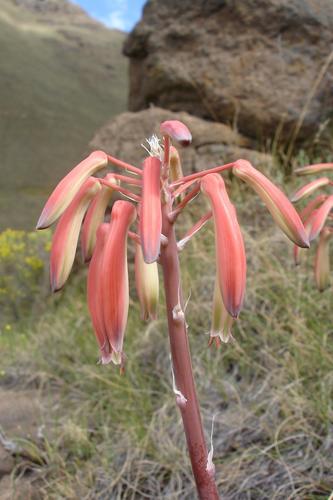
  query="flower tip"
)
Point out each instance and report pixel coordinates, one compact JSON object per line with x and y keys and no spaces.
{"x":177,"y":131}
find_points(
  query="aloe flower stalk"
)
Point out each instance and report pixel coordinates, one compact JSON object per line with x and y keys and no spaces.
{"x":159,"y":194}
{"x":317,"y":215}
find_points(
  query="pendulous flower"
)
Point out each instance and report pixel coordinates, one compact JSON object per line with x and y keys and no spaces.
{"x":230,"y":251}
{"x":309,"y":188}
{"x":95,"y":295}
{"x":150,"y":210}
{"x":277,"y":203}
{"x":69,"y":186}
{"x":114,"y":279}
{"x":66,"y":235}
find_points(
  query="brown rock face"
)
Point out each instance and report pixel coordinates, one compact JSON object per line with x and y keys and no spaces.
{"x":249,"y":62}
{"x":213,"y":143}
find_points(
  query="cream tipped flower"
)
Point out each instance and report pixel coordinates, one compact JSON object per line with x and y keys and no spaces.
{"x":230,"y":251}
{"x":66,"y":235}
{"x":147,"y":284}
{"x":221,"y":319}
{"x":115,"y":288}
{"x":176,"y":171}
{"x":150,"y":210}
{"x":95,"y":216}
{"x":176,"y":130}
{"x":277,"y":203}
{"x":309,"y":188}
{"x":314,"y":169}
{"x":322,"y":260}
{"x":311,"y":206}
{"x":95,"y":296}
{"x":319,"y":218}
{"x":69,"y":186}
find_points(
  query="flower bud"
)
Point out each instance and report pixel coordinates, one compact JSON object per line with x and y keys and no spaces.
{"x":277,"y":203}
{"x":69,"y":186}
{"x":66,"y":235}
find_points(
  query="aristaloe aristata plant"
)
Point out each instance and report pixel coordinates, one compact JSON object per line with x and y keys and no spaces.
{"x":158,"y":193}
{"x":317,"y":219}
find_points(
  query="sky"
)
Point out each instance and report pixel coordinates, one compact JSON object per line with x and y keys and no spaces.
{"x":120,"y":14}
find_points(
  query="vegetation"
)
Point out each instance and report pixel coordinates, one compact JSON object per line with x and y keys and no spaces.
{"x":59,"y":84}
{"x":108,"y":435}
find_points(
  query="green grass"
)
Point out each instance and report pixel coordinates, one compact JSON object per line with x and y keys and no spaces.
{"x":114,"y":436}
{"x":57,"y":87}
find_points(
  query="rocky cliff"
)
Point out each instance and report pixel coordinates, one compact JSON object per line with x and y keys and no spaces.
{"x":260,"y":64}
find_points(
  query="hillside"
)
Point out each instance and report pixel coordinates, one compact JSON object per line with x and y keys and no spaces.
{"x":62,"y":76}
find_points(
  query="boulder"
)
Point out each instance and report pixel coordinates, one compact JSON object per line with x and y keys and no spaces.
{"x":259,"y":64}
{"x":213,"y":143}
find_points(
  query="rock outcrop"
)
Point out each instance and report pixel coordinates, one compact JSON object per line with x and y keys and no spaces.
{"x":255,"y":63}
{"x":213,"y":143}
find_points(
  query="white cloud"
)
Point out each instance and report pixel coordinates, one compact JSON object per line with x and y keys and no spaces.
{"x":115,"y":19}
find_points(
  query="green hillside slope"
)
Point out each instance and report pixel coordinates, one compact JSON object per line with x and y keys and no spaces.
{"x":61,"y":76}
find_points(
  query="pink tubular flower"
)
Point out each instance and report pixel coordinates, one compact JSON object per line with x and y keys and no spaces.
{"x":66,"y":235}
{"x":309,"y":188}
{"x":95,"y":296}
{"x":311,"y":206}
{"x":176,"y":130}
{"x":147,"y":285}
{"x":314,"y":169}
{"x":150,"y":210}
{"x":69,"y":186}
{"x":230,"y":251}
{"x":95,"y":216}
{"x":319,"y":219}
{"x":277,"y":203}
{"x":115,"y":291}
{"x":322,"y":260}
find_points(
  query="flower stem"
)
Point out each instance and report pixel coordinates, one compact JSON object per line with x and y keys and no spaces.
{"x":182,"y":365}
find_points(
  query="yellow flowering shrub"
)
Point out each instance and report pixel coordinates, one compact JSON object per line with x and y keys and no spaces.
{"x":23,"y":264}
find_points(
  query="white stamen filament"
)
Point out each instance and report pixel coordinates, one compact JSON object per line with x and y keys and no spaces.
{"x":154,"y":147}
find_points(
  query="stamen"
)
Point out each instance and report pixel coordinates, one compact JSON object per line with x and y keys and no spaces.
{"x":154,"y":147}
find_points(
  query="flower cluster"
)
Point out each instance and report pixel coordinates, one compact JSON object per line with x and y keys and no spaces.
{"x":317,"y":219}
{"x":156,"y":193}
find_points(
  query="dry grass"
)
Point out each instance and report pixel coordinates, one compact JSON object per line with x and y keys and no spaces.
{"x":120,"y":437}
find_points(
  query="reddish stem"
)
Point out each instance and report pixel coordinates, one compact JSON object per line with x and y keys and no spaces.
{"x":123,"y":164}
{"x":128,"y":180}
{"x":192,"y":194}
{"x":197,"y":175}
{"x":124,"y":191}
{"x":182,"y":365}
